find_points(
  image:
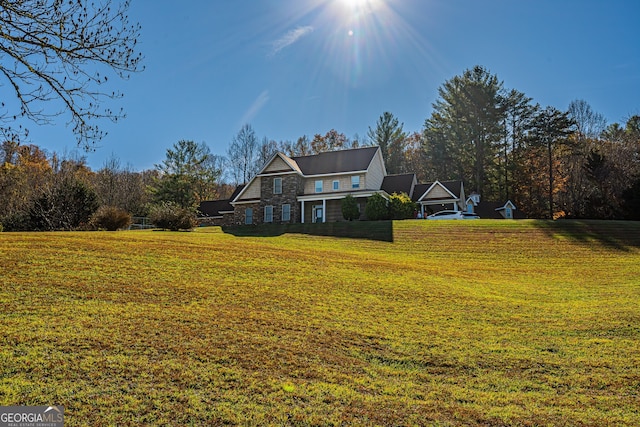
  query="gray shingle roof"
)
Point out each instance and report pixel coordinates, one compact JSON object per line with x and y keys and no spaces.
{"x":399,"y":184}
{"x":452,"y":186}
{"x":357,"y":159}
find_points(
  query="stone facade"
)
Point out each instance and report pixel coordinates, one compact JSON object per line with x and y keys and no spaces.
{"x":240,"y":211}
{"x":292,"y":186}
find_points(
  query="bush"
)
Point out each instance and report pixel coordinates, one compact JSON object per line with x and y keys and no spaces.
{"x":110,"y":218}
{"x":67,"y":206}
{"x":377,"y":208}
{"x":18,"y":221}
{"x":350,"y":210}
{"x":170,"y":216}
{"x":401,"y":206}
{"x":1,"y":228}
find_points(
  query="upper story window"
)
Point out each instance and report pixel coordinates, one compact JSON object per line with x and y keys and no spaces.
{"x":355,"y":181}
{"x":319,"y":186}
{"x":336,"y":185}
{"x":277,"y":185}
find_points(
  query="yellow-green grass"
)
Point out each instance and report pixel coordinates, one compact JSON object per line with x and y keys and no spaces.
{"x":453,"y":323}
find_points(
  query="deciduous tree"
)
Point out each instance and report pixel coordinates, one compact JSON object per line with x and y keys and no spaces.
{"x":188,"y":175}
{"x":551,"y":129}
{"x":57,"y":57}
{"x":242,"y":154}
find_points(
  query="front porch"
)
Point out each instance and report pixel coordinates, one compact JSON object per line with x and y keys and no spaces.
{"x":328,"y":207}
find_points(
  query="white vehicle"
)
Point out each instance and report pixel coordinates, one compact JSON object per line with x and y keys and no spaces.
{"x":453,"y":215}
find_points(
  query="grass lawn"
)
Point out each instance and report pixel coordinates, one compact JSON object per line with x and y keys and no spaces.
{"x":484,"y":322}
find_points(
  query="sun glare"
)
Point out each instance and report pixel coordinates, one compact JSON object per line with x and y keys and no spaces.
{"x":359,"y":6}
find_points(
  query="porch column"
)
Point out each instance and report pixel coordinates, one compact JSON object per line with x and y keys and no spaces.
{"x":324,"y":210}
{"x":302,"y":211}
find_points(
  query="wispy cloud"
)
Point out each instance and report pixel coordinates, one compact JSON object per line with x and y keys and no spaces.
{"x":289,"y":38}
{"x":255,"y":108}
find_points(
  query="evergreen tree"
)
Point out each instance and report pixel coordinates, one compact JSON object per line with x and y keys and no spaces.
{"x":551,"y":129}
{"x":390,"y":137}
{"x":467,"y":127}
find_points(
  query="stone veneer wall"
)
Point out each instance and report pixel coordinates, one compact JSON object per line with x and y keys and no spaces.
{"x":238,"y":213}
{"x":292,"y":186}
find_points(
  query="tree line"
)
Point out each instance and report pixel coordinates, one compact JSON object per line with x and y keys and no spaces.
{"x":60,"y":57}
{"x":550,"y":163}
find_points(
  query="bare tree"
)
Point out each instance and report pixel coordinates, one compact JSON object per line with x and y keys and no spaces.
{"x":242,"y":154}
{"x":62,"y":53}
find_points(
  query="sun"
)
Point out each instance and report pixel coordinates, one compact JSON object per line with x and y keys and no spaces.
{"x":359,"y":5}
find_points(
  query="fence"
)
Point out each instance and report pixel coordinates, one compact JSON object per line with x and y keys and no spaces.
{"x":140,"y":223}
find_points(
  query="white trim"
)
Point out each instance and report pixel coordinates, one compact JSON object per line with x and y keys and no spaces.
{"x":334,"y":174}
{"x":443,"y":187}
{"x":270,"y":208}
{"x":282,"y":219}
{"x":338,"y":196}
{"x":243,"y":202}
{"x":278,"y":173}
{"x":275,"y":178}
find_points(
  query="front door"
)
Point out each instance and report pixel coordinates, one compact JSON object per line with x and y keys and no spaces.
{"x":317,"y":213}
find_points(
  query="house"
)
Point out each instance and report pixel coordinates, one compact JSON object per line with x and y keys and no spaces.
{"x":217,"y":212}
{"x":492,"y":210}
{"x":437,"y":196}
{"x":309,"y":188}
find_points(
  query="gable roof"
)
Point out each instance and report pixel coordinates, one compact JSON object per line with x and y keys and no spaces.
{"x":286,"y":160}
{"x":333,"y":162}
{"x":452,"y":187}
{"x":403,"y":183}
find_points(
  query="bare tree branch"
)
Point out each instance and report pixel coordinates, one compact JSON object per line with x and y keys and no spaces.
{"x":55,"y":57}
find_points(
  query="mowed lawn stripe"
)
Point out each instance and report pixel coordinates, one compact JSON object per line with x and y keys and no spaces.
{"x":452,"y":323}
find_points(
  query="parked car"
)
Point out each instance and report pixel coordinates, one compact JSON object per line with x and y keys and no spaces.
{"x":453,"y":215}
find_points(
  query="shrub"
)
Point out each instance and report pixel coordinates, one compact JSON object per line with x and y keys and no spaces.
{"x":377,"y":208}
{"x":1,"y":228}
{"x":67,"y":206}
{"x":401,"y":206}
{"x":170,"y":216}
{"x":350,"y":210}
{"x":111,"y":218}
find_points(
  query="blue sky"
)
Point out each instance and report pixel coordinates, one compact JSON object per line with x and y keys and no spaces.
{"x":300,"y":67}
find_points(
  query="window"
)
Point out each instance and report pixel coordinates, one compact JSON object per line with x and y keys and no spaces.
{"x":355,"y":181}
{"x":508,"y":213}
{"x":248,"y":216}
{"x":336,"y":185}
{"x":286,"y":213}
{"x":319,"y":186}
{"x":277,"y":185}
{"x":268,"y":214}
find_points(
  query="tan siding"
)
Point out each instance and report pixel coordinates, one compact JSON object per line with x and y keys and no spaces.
{"x":437,"y":192}
{"x":375,"y":174}
{"x":327,"y":183}
{"x":252,"y":191}
{"x":277,"y":165}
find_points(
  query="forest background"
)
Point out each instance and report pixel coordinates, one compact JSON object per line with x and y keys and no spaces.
{"x":550,"y":163}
